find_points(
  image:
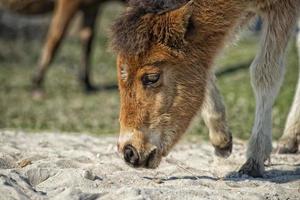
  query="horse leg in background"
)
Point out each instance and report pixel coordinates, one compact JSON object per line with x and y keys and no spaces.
{"x":214,"y":116}
{"x":267,"y":72}
{"x":290,"y":140}
{"x":63,"y":13}
{"x":87,"y":33}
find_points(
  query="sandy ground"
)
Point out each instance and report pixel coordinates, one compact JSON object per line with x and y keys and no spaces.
{"x":60,"y":166}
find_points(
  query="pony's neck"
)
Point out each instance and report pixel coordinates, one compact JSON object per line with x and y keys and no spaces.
{"x":214,"y":21}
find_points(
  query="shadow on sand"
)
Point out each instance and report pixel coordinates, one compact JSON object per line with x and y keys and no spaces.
{"x":273,"y":175}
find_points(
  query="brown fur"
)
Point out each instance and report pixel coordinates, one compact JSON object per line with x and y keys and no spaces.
{"x":166,"y":38}
{"x":180,"y":44}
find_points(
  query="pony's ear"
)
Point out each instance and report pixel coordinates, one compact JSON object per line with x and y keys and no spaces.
{"x":172,"y":26}
{"x":180,"y":17}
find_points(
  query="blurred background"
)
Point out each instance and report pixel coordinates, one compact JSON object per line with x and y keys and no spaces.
{"x":67,"y":108}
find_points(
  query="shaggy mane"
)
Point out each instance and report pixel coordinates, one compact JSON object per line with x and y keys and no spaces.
{"x":129,"y":35}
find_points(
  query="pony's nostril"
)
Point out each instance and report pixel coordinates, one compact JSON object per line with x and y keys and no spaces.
{"x":130,"y":155}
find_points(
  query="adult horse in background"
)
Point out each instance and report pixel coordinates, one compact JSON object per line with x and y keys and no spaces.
{"x":64,"y":11}
{"x":166,"y":51}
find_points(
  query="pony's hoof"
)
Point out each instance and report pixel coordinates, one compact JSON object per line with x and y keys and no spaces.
{"x":38,"y":94}
{"x":252,"y":168}
{"x":287,"y":146}
{"x":224,"y":151}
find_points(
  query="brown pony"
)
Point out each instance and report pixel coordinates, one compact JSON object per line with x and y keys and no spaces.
{"x":64,"y":11}
{"x":166,"y":50}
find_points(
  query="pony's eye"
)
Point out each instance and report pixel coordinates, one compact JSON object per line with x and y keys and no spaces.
{"x":150,"y":79}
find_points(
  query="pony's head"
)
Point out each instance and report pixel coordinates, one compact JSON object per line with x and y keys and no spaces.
{"x":161,"y":84}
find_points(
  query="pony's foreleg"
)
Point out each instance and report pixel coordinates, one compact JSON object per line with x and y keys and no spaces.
{"x":214,"y":116}
{"x":63,"y":13}
{"x":267,"y":73}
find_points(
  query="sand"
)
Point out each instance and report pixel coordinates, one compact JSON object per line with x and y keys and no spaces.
{"x":66,"y":166}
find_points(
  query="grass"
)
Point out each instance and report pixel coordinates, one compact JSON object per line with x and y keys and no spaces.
{"x":68,"y":109}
